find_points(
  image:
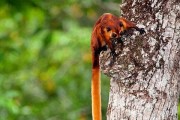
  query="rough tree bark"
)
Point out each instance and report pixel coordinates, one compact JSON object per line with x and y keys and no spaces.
{"x":145,"y":75}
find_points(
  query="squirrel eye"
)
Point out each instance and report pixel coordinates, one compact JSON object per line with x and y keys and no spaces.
{"x":108,"y":29}
{"x":121,"y":24}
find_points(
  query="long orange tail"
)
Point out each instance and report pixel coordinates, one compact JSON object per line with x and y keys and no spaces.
{"x":96,"y":89}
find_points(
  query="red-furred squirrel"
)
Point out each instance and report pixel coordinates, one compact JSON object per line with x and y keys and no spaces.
{"x":107,"y":28}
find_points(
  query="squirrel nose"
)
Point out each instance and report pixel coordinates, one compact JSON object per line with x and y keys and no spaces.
{"x":114,"y":35}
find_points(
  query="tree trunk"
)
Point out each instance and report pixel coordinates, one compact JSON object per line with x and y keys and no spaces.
{"x":146,"y":72}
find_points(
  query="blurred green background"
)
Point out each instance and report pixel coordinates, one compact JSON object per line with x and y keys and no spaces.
{"x":45,"y":60}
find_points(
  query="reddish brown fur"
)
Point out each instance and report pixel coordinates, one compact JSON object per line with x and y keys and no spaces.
{"x":103,"y":31}
{"x":106,"y":28}
{"x":127,"y":24}
{"x":100,"y":36}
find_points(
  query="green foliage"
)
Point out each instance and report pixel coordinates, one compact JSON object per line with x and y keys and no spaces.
{"x":45,"y":60}
{"x":179,"y":110}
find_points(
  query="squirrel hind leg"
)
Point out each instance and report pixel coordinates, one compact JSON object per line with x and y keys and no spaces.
{"x":141,"y":30}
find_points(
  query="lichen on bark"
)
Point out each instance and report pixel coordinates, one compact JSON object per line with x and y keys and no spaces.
{"x":146,"y":72}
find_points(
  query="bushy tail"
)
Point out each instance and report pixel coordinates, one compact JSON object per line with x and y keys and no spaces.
{"x":96,"y":89}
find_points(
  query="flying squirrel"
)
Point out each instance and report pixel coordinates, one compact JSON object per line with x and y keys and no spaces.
{"x":106,"y":28}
